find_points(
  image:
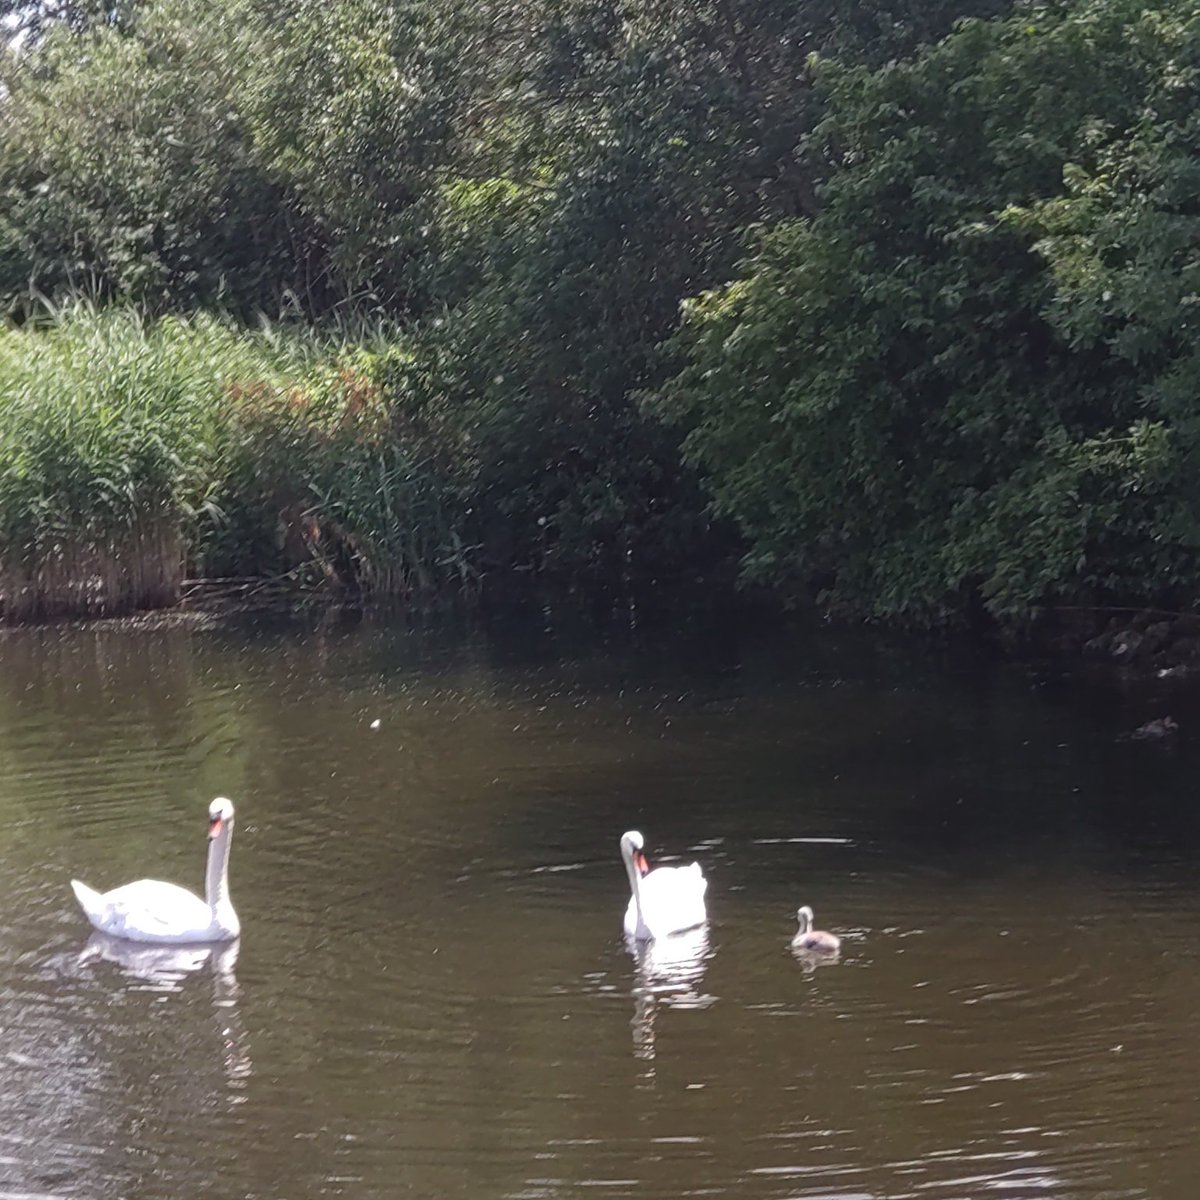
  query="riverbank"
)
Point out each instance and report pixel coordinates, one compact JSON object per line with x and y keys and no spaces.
{"x":145,"y":463}
{"x":135,"y":453}
{"x":916,"y":377}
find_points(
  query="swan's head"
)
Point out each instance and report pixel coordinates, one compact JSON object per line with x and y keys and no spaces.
{"x":631,"y":851}
{"x":805,"y":916}
{"x":220,"y":815}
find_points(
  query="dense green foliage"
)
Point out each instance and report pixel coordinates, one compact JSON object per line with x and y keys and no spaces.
{"x":973,"y":373}
{"x":956,"y":367}
{"x":532,"y":188}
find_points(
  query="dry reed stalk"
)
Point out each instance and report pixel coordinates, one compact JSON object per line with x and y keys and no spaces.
{"x":139,"y":569}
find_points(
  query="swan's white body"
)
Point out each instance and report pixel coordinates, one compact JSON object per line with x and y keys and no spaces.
{"x":808,"y":938}
{"x":665,"y":900}
{"x":164,"y":913}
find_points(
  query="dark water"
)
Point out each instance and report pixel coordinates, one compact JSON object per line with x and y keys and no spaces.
{"x":431,"y":996}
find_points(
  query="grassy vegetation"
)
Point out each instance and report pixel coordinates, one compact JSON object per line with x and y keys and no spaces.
{"x":128,"y":448}
{"x":936,"y":264}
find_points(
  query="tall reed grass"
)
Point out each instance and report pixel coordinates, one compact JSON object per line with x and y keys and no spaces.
{"x":129,"y":449}
{"x":350,"y":473}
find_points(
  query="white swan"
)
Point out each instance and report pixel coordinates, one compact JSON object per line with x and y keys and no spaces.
{"x":665,"y":900}
{"x":151,"y":911}
{"x":808,"y":938}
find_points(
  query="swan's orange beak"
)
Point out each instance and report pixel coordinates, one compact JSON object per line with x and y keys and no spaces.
{"x":639,"y":861}
{"x":214,"y":827}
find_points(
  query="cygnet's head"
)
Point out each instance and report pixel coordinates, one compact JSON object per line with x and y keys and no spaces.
{"x":805,"y":916}
{"x":220,"y":815}
{"x":631,"y":850}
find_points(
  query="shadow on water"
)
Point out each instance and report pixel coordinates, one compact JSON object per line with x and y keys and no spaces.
{"x":431,"y":972}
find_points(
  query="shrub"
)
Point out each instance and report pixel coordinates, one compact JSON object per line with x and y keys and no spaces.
{"x":971,"y":377}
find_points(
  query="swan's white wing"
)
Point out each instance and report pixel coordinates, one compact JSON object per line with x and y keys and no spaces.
{"x":673,"y":899}
{"x":148,"y":911}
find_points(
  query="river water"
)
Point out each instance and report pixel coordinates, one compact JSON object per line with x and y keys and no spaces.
{"x":431,"y":996}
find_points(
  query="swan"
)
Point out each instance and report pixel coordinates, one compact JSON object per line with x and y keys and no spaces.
{"x":664,"y":900}
{"x":151,"y":911}
{"x":808,"y":938}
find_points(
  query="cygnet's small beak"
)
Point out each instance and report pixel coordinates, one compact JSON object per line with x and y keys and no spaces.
{"x":215,"y":824}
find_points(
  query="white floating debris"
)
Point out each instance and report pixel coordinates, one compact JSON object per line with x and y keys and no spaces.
{"x":376,"y":723}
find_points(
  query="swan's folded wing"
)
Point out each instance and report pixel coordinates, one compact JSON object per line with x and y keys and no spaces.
{"x":673,"y":899}
{"x":150,"y":909}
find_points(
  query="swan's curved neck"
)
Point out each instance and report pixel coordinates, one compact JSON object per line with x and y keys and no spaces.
{"x":802,"y":916}
{"x":216,"y":874}
{"x":635,"y":881}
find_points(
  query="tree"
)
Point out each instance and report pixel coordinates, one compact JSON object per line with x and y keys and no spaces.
{"x":621,"y":151}
{"x":531,"y":188}
{"x":127,"y":171}
{"x":949,"y":383}
{"x":29,"y":20}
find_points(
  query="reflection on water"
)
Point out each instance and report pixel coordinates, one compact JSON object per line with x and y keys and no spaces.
{"x":165,"y":969}
{"x":669,"y":974}
{"x":431,"y":996}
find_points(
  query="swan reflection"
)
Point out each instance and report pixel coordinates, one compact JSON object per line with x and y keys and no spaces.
{"x":165,"y":968}
{"x":810,"y":960}
{"x":669,"y":973}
